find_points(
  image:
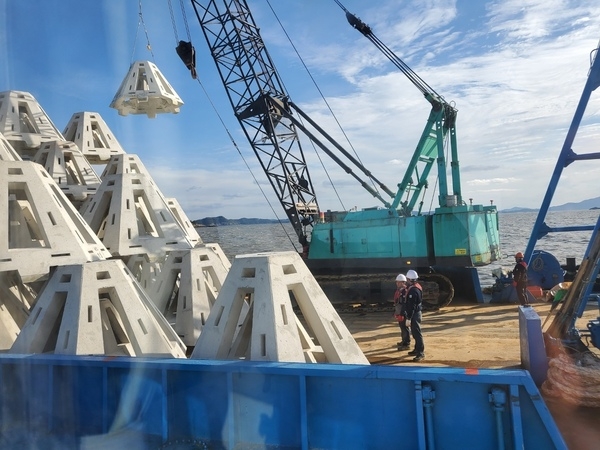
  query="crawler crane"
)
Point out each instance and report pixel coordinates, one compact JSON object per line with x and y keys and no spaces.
{"x":355,"y":255}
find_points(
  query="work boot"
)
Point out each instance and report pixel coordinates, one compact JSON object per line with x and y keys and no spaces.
{"x":413,"y":353}
{"x":419,"y":357}
{"x":403,"y":345}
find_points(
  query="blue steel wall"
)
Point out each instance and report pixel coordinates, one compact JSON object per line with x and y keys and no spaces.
{"x":82,"y":402}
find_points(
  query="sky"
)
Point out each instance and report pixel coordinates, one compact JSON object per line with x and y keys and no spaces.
{"x":515,"y":70}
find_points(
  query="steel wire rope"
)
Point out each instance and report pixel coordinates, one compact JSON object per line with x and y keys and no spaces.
{"x":185,"y":21}
{"x":418,"y":82}
{"x":141,"y":22}
{"x":214,"y":108}
{"x":246,"y":163}
{"x":328,"y":107}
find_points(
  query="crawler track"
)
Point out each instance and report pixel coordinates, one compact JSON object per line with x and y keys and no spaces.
{"x":374,"y":292}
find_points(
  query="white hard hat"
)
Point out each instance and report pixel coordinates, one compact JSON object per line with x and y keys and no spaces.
{"x":400,"y":277}
{"x":412,"y":275}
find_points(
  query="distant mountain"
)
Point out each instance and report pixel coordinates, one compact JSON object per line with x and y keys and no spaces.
{"x":518,"y":209}
{"x":223,"y":221}
{"x":585,"y":204}
{"x":592,"y":203}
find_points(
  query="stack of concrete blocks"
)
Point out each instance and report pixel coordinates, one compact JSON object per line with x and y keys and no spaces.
{"x":24,"y":123}
{"x":158,"y":243}
{"x":44,"y":230}
{"x":41,"y":230}
{"x":96,"y":309}
{"x":149,"y":232}
{"x":254,"y":319}
{"x":145,"y":90}
{"x":130,"y":215}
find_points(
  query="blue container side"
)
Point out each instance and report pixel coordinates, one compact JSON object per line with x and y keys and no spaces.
{"x":231,"y":404}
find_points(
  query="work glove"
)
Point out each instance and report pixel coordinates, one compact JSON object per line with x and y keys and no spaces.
{"x":399,"y":318}
{"x":408,"y":323}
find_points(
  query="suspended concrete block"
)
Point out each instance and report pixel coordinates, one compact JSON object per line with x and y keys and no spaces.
{"x":184,"y":286}
{"x":7,"y":152}
{"x":271,"y":330}
{"x":70,"y":170}
{"x":96,"y":308}
{"x":41,"y":227}
{"x":130,"y":215}
{"x":24,"y":123}
{"x":93,"y":137}
{"x":145,"y":90}
{"x":16,"y":299}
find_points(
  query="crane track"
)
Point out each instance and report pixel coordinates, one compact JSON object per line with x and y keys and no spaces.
{"x":374,"y":292}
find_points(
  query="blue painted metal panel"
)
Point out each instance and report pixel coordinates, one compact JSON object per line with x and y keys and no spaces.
{"x":533,"y":349}
{"x":64,"y":401}
{"x":545,"y":270}
{"x":372,"y":234}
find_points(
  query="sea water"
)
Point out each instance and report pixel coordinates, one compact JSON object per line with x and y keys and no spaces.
{"x":515,"y":230}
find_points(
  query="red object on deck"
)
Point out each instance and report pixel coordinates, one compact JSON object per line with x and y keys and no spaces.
{"x":536,"y":291}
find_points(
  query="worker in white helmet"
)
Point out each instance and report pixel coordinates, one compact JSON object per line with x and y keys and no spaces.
{"x":400,"y":311}
{"x":414,"y":300}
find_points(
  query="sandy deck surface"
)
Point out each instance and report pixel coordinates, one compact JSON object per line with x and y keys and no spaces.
{"x":459,"y":335}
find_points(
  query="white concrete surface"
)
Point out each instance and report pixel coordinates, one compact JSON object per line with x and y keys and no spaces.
{"x":184,"y":286}
{"x":16,"y":299}
{"x":184,"y":221}
{"x":7,"y":152}
{"x":69,"y":169}
{"x":271,"y":330}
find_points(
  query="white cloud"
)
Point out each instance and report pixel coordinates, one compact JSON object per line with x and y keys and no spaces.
{"x":514,"y":68}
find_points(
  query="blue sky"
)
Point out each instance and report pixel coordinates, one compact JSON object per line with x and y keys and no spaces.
{"x":515,"y":70}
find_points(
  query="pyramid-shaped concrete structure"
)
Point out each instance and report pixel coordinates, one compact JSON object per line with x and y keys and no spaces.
{"x":41,"y":228}
{"x":96,"y":308}
{"x":130,"y":215}
{"x":91,"y":134}
{"x":271,"y":330}
{"x":145,"y":90}
{"x":184,"y":286}
{"x":68,"y":167}
{"x":24,"y":123}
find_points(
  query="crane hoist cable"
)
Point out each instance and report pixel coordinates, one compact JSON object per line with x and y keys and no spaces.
{"x":184,"y":49}
{"x":234,"y":143}
{"x":429,"y":93}
{"x":220,"y":118}
{"x":322,"y":97}
{"x":368,"y":33}
{"x":142,"y":23}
